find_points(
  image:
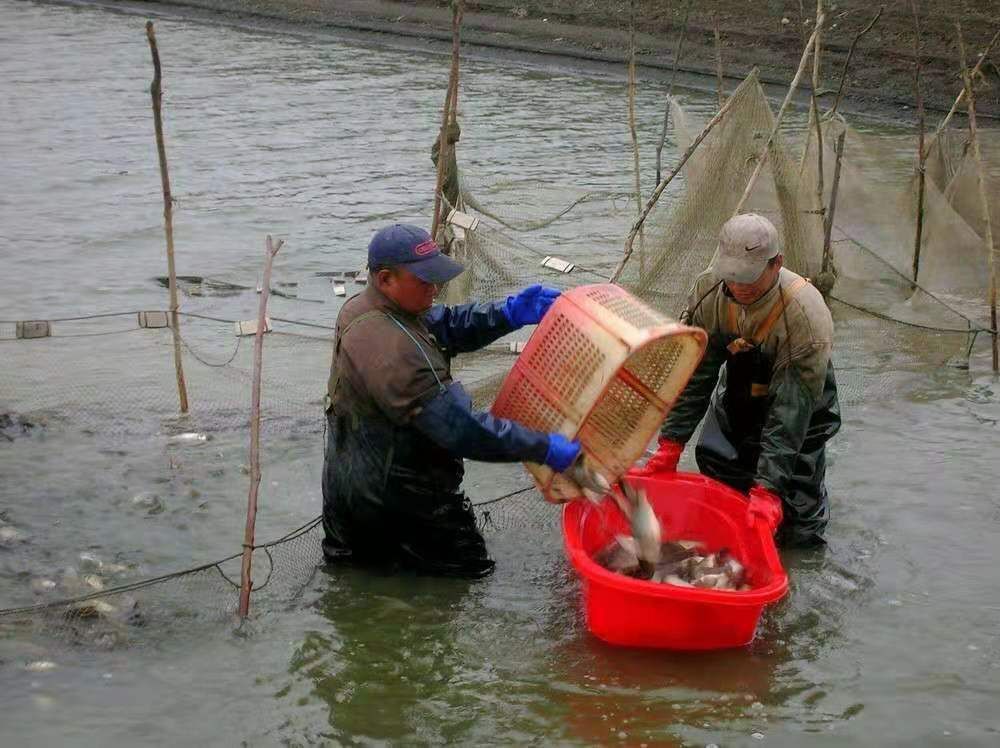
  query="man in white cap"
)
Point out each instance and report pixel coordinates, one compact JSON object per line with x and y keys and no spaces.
{"x":766,"y":383}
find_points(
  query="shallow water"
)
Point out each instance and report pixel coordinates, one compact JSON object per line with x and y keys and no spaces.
{"x":887,"y":637}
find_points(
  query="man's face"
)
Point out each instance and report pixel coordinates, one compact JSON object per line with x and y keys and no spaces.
{"x":748,"y":293}
{"x":411,"y":294}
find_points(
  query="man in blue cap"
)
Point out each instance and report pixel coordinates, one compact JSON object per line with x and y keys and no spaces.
{"x":399,"y":426}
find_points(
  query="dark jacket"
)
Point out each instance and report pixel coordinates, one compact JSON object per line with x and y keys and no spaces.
{"x":399,"y":427}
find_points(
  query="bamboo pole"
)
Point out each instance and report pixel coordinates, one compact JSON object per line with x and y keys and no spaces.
{"x":156,"y":92}
{"x":814,"y":109}
{"x":246,"y":583}
{"x":961,"y":94}
{"x":762,"y":159}
{"x":718,"y":64}
{"x":670,"y":88}
{"x":632,"y":133}
{"x":450,"y":107}
{"x":970,"y":95}
{"x":921,"y":154}
{"x":847,"y":62}
{"x":828,"y":218}
{"x":666,"y":181}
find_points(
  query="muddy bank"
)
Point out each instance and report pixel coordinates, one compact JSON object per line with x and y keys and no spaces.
{"x":769,"y":35}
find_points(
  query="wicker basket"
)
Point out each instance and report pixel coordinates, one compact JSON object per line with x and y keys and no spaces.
{"x":604,"y":368}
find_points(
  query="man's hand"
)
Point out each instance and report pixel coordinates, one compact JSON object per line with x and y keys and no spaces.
{"x":664,"y":460}
{"x":530,"y":305}
{"x":764,"y":506}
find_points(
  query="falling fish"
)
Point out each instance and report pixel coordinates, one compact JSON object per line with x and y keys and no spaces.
{"x":593,"y":485}
{"x":645,"y":527}
{"x":188,"y":438}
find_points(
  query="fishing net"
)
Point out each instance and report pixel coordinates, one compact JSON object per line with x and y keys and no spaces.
{"x":881,"y":313}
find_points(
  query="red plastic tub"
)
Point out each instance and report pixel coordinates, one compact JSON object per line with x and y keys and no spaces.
{"x":636,"y":613}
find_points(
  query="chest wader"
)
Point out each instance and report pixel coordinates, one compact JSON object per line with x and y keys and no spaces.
{"x":729,"y":447}
{"x":390,"y":495}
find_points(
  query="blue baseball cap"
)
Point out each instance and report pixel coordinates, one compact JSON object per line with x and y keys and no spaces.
{"x":403,"y":245}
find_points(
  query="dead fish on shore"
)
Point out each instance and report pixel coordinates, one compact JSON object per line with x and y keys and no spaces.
{"x":681,"y":563}
{"x":148,"y":501}
{"x":41,"y":586}
{"x":10,"y":535}
{"x":188,"y":438}
{"x":40,"y":666}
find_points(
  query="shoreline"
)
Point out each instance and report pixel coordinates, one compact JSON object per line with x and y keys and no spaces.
{"x":425,"y":25}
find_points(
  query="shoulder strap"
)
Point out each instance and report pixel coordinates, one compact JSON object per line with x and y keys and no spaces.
{"x":401,"y":326}
{"x":784,"y":296}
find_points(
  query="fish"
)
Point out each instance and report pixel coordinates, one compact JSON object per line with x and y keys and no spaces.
{"x":40,"y":666}
{"x":593,"y":485}
{"x":680,"y":563}
{"x":148,"y":501}
{"x":90,"y":562}
{"x":621,"y":556}
{"x":94,"y":582}
{"x":645,"y":527}
{"x":40,"y":586}
{"x":91,"y":609}
{"x":188,"y":438}
{"x":10,"y":535}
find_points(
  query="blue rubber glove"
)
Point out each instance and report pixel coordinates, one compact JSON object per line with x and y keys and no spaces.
{"x":562,"y":452}
{"x":530,"y":305}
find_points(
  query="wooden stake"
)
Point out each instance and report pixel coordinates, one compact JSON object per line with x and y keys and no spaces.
{"x":847,"y":62}
{"x":828,"y":218}
{"x":921,"y":154}
{"x":718,"y":64}
{"x":156,"y":93}
{"x":450,"y":107}
{"x":961,"y":94}
{"x":814,"y":109}
{"x":246,"y":583}
{"x":632,"y":132}
{"x":970,"y":95}
{"x":762,"y":159}
{"x":670,"y":89}
{"x":666,"y":181}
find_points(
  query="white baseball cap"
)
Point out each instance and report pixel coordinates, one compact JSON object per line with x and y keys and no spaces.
{"x":746,"y":243}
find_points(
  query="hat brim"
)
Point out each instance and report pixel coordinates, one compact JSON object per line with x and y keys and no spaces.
{"x":739,"y":269}
{"x":437,"y":269}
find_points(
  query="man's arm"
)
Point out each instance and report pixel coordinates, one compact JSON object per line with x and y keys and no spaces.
{"x":450,"y":422}
{"x":467,"y":327}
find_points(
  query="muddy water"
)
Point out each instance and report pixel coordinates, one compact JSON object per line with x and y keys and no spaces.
{"x":887,"y":637}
